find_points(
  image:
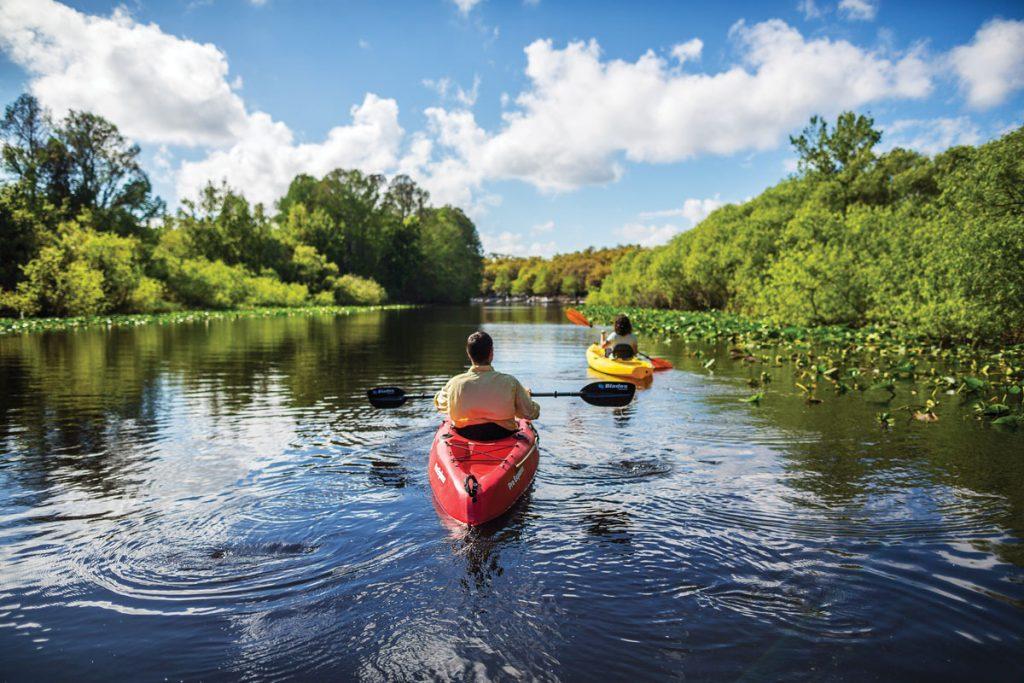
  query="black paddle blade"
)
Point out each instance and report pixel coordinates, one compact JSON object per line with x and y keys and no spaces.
{"x":608,"y":394}
{"x":386,"y":397}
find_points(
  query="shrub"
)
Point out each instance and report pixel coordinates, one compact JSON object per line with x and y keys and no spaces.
{"x":149,"y":296}
{"x":323,"y":299}
{"x":207,"y":284}
{"x":354,"y":290}
{"x":269,"y":291}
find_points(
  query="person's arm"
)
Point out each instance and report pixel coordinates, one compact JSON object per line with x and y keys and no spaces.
{"x":606,"y":339}
{"x":526,"y":407}
{"x":441,"y":400}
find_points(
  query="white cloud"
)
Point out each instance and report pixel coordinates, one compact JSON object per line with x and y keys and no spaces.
{"x":931,"y":136}
{"x":647,"y":235}
{"x":577,"y":123}
{"x":512,"y":244}
{"x":693,"y":210}
{"x":809,"y":9}
{"x":688,"y":51}
{"x":580,"y":116}
{"x":992,"y":65}
{"x":364,"y":44}
{"x":170,"y":91}
{"x":156,"y":87}
{"x":265,"y":161}
{"x":859,"y":10}
{"x":466,"y":6}
{"x":542,"y":228}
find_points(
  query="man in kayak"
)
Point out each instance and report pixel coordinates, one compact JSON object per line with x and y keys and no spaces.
{"x":483,"y":404}
{"x":621,"y":343}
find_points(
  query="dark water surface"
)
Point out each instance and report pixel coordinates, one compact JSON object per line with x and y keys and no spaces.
{"x":217,"y":501}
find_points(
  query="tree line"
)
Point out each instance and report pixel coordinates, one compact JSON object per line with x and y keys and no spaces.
{"x":82,"y":233}
{"x":931,"y":245}
{"x":572,"y":274}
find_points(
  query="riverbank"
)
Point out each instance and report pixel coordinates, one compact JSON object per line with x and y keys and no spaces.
{"x":879,"y":362}
{"x":14,"y":325}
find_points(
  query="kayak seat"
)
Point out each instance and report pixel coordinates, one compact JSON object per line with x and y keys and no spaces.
{"x":487,"y":431}
{"x":622,"y":352}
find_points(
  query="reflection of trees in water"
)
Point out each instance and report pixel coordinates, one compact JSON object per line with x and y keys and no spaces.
{"x":80,"y":403}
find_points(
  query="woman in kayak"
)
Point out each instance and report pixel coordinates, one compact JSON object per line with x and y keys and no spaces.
{"x":483,"y":404}
{"x":621,"y":343}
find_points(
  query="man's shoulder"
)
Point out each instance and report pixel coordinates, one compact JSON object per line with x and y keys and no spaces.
{"x":504,"y":376}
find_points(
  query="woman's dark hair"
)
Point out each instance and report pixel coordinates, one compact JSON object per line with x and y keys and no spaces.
{"x":479,"y":347}
{"x":622,"y":325}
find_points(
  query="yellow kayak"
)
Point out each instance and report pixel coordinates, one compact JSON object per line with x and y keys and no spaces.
{"x":637,"y":368}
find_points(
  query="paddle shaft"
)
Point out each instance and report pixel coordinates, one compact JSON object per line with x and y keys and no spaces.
{"x":540,"y":394}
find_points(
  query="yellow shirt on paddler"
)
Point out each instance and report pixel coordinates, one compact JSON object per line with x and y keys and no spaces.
{"x":485,"y":395}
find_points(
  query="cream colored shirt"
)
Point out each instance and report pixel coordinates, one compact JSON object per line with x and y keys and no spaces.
{"x":484,"y":395}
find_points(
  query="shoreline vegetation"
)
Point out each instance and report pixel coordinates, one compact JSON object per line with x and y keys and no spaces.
{"x":10,"y":326}
{"x":833,"y":360}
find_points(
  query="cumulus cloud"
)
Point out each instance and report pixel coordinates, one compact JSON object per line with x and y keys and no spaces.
{"x":541,"y":228}
{"x":688,"y":51}
{"x":581,"y":115}
{"x":693,"y":210}
{"x":859,"y":10}
{"x":156,"y":87}
{"x":579,"y":120}
{"x":931,"y":136}
{"x":170,"y":91}
{"x":267,"y":158}
{"x":991,"y":66}
{"x":647,"y":235}
{"x":513,"y":244}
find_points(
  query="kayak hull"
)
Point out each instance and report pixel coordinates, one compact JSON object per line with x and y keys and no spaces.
{"x":636,"y":368}
{"x":477,"y":481}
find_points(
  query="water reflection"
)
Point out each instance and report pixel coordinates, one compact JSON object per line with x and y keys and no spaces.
{"x":225,"y":485}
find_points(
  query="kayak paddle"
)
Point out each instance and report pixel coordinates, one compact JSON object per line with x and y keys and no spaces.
{"x":607,"y":394}
{"x":577,"y":318}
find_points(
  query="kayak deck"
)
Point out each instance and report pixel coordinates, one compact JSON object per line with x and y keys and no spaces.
{"x":477,"y":481}
{"x":636,"y":368}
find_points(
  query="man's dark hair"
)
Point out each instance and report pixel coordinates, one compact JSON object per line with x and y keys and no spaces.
{"x":622,"y":325}
{"x":479,"y":347}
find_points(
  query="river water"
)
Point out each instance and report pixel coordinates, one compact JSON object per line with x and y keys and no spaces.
{"x":217,"y":501}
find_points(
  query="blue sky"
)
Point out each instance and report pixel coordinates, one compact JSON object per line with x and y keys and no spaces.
{"x":558,"y":125}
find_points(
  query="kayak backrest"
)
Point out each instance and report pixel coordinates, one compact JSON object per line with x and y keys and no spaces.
{"x":623,"y":352}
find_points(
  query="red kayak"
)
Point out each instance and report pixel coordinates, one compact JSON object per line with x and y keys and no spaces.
{"x":476,"y":481}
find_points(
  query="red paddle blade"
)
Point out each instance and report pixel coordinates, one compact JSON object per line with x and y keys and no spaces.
{"x":577,"y":318}
{"x":661,"y":364}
